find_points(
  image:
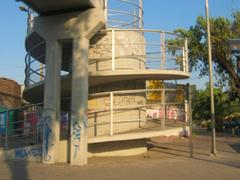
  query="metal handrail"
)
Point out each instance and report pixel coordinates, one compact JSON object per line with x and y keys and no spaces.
{"x":165,"y":46}
{"x":151,"y":59}
{"x":30,"y":72}
{"x":179,"y":109}
{"x":161,"y":105}
{"x":128,"y":14}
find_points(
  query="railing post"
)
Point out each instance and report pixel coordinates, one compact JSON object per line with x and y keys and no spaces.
{"x":113,"y":50}
{"x":24,"y":122}
{"x":186,"y":108}
{"x":6,"y":130}
{"x":189,"y":97}
{"x":163,"y":50}
{"x":95,"y":124}
{"x":184,"y":60}
{"x":164,"y":110}
{"x":37,"y":129}
{"x":186,"y":55}
{"x":28,"y":69}
{"x":135,"y":18}
{"x":106,"y":10}
{"x":140,"y":14}
{"x":41,"y":71}
{"x":111,"y":114}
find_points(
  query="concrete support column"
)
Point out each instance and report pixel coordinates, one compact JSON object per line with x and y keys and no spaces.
{"x":79,"y":145}
{"x":51,"y":114}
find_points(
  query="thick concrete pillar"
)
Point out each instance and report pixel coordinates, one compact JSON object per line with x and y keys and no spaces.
{"x":78,"y":147}
{"x":51,"y":114}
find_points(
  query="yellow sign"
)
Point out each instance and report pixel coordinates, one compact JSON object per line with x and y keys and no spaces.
{"x":155,"y":84}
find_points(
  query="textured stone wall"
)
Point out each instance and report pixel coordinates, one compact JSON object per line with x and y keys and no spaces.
{"x":10,"y":93}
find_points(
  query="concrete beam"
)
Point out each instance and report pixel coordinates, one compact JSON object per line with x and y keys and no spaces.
{"x":71,"y":25}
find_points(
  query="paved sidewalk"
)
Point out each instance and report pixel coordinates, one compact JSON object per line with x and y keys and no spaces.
{"x":167,"y":160}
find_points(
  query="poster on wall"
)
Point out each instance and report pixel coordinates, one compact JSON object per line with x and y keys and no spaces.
{"x":155,"y":113}
{"x":64,"y":121}
{"x":31,"y":123}
{"x":171,"y":113}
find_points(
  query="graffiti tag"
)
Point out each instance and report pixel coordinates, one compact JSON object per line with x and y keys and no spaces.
{"x":47,"y":134}
{"x":28,"y":153}
{"x":76,"y":137}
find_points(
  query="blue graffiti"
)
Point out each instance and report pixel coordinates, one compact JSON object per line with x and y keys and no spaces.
{"x":47,"y":133}
{"x":28,"y":153}
{"x":76,"y":137}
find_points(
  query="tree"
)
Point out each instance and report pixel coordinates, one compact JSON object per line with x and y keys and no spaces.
{"x":225,"y":107}
{"x":222,"y":29}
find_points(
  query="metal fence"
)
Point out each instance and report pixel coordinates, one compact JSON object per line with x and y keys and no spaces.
{"x":21,"y":127}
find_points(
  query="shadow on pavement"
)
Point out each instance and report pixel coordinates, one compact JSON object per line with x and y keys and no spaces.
{"x":228,"y":150}
{"x":236,"y":147}
{"x":17,"y":169}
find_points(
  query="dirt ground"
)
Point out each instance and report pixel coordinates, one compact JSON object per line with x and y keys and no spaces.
{"x":167,"y":159}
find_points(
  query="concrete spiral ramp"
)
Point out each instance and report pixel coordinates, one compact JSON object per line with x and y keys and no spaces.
{"x":81,"y":63}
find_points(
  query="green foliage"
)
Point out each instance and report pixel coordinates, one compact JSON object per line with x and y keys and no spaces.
{"x":222,"y":29}
{"x":225,"y":107}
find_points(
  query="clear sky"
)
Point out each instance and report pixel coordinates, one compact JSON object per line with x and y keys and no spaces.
{"x":158,"y":14}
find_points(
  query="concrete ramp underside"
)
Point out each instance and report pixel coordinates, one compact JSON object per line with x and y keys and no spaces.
{"x":51,"y":7}
{"x":95,"y":79}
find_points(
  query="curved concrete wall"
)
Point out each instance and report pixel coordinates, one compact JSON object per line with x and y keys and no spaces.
{"x":123,"y":119}
{"x":129,"y":51}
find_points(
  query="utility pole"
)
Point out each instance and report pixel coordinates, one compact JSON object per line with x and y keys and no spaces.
{"x":211,"y":81}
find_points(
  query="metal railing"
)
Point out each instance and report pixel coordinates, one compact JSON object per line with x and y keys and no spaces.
{"x":34,"y":69}
{"x":21,"y":127}
{"x":162,"y":109}
{"x":117,"y":112}
{"x":126,"y":14}
{"x":153,"y":49}
{"x":150,"y":50}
